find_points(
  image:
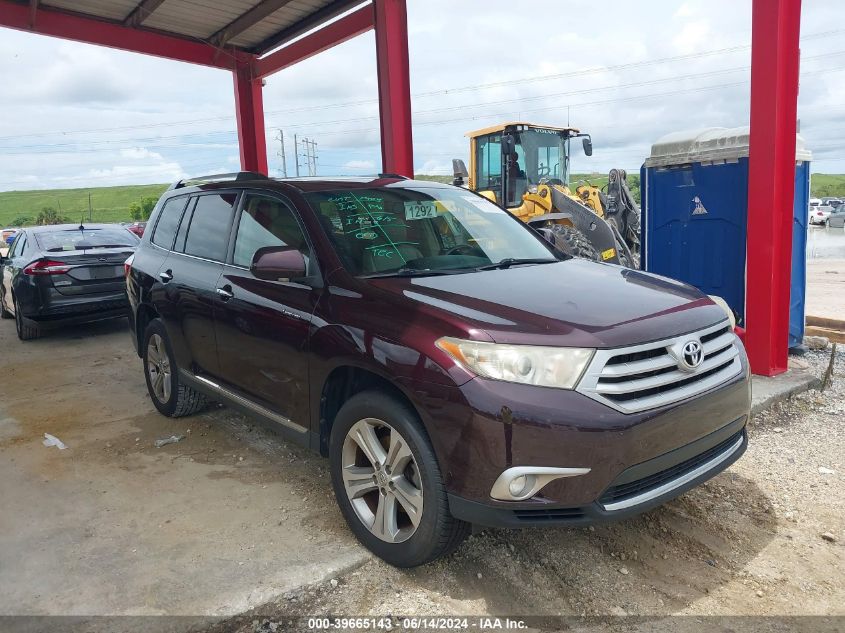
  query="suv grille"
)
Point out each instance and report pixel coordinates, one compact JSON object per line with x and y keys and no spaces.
{"x":653,"y":375}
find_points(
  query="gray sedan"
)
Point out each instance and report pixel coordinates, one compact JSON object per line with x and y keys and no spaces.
{"x":837,"y":217}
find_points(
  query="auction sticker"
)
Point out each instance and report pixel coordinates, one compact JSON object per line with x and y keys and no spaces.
{"x":420,"y":210}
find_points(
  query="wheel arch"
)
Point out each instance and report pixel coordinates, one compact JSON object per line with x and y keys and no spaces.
{"x":143,"y":315}
{"x":343,"y":382}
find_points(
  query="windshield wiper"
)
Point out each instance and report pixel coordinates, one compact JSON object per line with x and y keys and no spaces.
{"x":507,"y":262}
{"x":417,"y":272}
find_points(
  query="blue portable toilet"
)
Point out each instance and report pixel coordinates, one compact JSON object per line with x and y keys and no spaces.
{"x":694,"y":200}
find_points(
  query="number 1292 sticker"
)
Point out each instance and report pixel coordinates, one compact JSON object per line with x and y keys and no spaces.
{"x":420,"y":210}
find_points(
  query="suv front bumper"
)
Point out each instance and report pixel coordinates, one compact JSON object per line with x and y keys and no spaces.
{"x":636,"y":490}
{"x":636,"y":460}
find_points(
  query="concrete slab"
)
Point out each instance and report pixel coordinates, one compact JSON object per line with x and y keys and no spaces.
{"x":766,"y":392}
{"x":220,"y":522}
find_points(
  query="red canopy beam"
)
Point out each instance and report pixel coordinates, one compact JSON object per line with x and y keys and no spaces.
{"x":249,"y":111}
{"x":337,"y":32}
{"x":71,"y":26}
{"x":771,"y":181}
{"x":394,"y":87}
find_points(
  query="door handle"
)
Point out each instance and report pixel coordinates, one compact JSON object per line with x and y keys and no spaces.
{"x":225,"y":293}
{"x":166,"y":276}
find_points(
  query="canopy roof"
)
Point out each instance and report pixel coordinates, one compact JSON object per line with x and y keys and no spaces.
{"x":251,"y":26}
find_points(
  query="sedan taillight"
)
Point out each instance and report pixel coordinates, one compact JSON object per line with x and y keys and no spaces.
{"x":127,"y":265}
{"x":46,"y":267}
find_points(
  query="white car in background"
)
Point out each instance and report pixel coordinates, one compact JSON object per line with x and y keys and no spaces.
{"x":820,"y":214}
{"x":815,"y":202}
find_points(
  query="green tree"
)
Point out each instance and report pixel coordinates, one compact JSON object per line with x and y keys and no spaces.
{"x":21,"y":220}
{"x":49,"y":215}
{"x":142,"y":209}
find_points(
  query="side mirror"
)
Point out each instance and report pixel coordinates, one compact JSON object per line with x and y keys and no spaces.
{"x":459,"y":172}
{"x":278,"y":263}
{"x":587,"y":143}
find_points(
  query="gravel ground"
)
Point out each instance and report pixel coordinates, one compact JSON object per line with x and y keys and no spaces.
{"x":764,"y":538}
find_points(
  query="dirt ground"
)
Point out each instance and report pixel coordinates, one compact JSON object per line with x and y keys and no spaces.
{"x":765,"y":538}
{"x":225,"y":519}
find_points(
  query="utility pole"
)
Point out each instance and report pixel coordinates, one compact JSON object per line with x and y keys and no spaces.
{"x":314,"y":157}
{"x":281,"y":152}
{"x":310,"y":155}
{"x":296,"y":154}
{"x":90,"y":211}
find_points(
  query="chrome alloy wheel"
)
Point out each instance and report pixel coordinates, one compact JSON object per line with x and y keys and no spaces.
{"x":158,"y":367}
{"x":382,"y":480}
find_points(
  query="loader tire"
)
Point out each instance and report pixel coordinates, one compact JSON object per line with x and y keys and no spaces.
{"x":572,"y":242}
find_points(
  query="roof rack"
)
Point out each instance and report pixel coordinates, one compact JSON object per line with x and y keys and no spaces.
{"x":236,"y":176}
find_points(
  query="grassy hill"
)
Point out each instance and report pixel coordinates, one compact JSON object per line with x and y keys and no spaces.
{"x":111,"y":204}
{"x":827,"y":185}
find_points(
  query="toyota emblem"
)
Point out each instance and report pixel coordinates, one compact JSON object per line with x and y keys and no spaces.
{"x":692,"y":354}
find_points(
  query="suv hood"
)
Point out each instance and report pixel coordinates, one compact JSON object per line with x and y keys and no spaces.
{"x":575,"y":303}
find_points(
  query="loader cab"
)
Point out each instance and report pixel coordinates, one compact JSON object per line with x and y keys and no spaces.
{"x":510,"y":160}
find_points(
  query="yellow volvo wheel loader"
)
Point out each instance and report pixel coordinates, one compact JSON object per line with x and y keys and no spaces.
{"x":525,"y":169}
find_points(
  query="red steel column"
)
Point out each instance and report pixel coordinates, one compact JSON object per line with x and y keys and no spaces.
{"x":249,"y":110}
{"x":771,"y":181}
{"x":394,"y":86}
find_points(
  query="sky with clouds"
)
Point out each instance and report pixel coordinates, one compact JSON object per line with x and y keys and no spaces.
{"x":76,"y":115}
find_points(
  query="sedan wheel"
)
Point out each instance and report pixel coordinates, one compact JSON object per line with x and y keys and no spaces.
{"x":158,"y":368}
{"x":382,"y":480}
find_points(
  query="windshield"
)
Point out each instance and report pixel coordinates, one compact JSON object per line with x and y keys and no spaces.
{"x":81,"y":239}
{"x":540,"y":155}
{"x":378,"y":231}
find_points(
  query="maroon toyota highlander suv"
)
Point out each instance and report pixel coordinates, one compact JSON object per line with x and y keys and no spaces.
{"x":453,"y":366}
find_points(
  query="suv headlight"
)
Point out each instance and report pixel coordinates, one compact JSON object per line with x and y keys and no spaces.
{"x":559,"y":367}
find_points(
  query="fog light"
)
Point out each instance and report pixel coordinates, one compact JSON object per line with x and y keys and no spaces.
{"x":519,"y":486}
{"x":523,"y":482}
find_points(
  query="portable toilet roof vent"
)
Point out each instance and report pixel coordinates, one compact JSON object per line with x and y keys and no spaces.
{"x":709,"y":145}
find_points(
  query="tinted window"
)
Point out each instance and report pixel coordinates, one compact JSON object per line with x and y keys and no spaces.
{"x":168,"y":222}
{"x":208,"y":233}
{"x":85,"y":239}
{"x":17,"y":246}
{"x":266,"y":222}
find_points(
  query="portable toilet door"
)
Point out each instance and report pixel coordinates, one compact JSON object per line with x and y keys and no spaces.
{"x":695,"y":212}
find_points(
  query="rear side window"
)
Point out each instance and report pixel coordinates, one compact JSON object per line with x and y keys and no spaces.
{"x":208,"y":234}
{"x":168,"y":222}
{"x":17,"y":246}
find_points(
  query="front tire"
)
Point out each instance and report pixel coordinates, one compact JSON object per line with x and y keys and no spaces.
{"x":169,"y":395}
{"x":388,"y":484}
{"x":4,"y":313}
{"x":572,"y":242}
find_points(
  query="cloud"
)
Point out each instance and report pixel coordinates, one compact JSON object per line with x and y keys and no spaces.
{"x":610,"y":86}
{"x":139,"y":153}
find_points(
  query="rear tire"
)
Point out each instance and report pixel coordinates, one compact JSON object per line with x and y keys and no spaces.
{"x":26,"y":330}
{"x":405,"y":485}
{"x":572,"y":242}
{"x":169,"y":395}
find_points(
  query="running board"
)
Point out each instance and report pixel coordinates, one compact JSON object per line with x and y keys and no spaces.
{"x":214,"y":389}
